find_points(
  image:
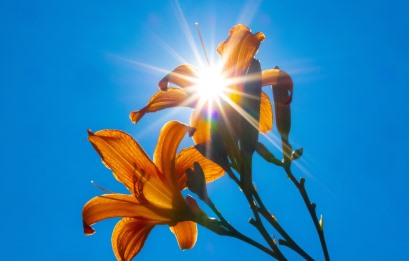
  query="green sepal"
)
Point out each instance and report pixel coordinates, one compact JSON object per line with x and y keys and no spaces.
{"x":267,"y":155}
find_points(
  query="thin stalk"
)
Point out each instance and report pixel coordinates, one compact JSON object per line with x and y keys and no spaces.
{"x":246,"y":170}
{"x":310,"y":206}
{"x":233,"y":232}
{"x":260,"y":227}
{"x":287,"y":150}
{"x":289,"y":242}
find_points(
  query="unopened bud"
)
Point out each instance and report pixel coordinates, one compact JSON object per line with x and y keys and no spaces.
{"x":297,"y":153}
{"x":195,"y":181}
{"x":283,"y":94}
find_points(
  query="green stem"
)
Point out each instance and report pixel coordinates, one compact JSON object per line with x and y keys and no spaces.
{"x":262,"y":230}
{"x":289,"y":242}
{"x":310,"y":206}
{"x":233,"y":232}
{"x":287,"y":150}
{"x":247,"y":188}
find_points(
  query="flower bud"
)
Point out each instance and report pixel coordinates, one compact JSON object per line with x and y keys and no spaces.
{"x":296,"y":154}
{"x":195,"y":181}
{"x":283,"y":93}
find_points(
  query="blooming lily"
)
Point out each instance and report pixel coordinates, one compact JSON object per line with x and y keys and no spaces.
{"x":237,"y":52}
{"x":154,"y":186}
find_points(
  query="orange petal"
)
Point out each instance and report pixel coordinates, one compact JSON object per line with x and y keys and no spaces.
{"x":184,"y":76}
{"x":202,"y":126}
{"x":185,"y":160}
{"x":237,"y":52}
{"x":161,"y":100}
{"x":266,"y":114}
{"x":116,"y":205}
{"x":130,"y":164}
{"x":186,"y":234}
{"x":128,"y":237}
{"x":269,"y":77}
{"x":170,"y":136}
{"x":273,"y":76}
{"x":123,"y":155}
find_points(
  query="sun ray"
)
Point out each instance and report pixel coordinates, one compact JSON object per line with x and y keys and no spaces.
{"x":274,"y":140}
{"x":169,"y":49}
{"x":212,"y":89}
{"x":140,"y":64}
{"x":158,"y":123}
{"x":248,"y":11}
{"x":185,"y":28}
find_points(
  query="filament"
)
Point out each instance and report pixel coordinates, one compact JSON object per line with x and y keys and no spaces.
{"x":201,"y":41}
{"x":101,"y":188}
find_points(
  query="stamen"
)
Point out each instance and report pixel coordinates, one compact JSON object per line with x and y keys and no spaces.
{"x":201,"y":41}
{"x":101,"y":188}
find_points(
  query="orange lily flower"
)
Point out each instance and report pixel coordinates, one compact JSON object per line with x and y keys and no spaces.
{"x":154,"y":186}
{"x":236,"y":53}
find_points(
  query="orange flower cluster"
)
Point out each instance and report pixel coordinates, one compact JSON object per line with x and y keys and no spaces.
{"x":155,"y":185}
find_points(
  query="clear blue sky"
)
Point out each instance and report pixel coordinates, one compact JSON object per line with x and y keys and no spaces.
{"x":69,"y":66}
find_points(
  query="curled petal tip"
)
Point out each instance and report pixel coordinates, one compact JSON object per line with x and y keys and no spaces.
{"x":163,"y":84}
{"x":135,"y":116}
{"x":88,"y":230}
{"x":90,"y":133}
{"x":260,"y":36}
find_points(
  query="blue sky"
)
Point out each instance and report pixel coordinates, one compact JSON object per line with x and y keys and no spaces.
{"x":71,"y":66}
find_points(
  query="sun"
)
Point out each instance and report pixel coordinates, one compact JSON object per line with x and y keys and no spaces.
{"x":211,"y":84}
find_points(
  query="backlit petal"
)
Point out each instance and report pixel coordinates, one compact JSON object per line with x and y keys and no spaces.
{"x":266,"y":114}
{"x":237,"y":52}
{"x":130,"y":164}
{"x":185,"y":160}
{"x":116,"y":205}
{"x":129,"y":236}
{"x":186,"y":234}
{"x":164,"y":156}
{"x":269,"y":77}
{"x":202,"y":126}
{"x":123,"y":155}
{"x":184,"y":76}
{"x":172,"y":97}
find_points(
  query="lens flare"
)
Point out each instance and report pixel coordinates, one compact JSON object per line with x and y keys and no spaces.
{"x":211,"y":84}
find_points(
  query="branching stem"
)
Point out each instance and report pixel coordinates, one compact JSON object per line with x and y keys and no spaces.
{"x":245,"y":170}
{"x":224,"y":228}
{"x":310,"y":206}
{"x":288,"y":241}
